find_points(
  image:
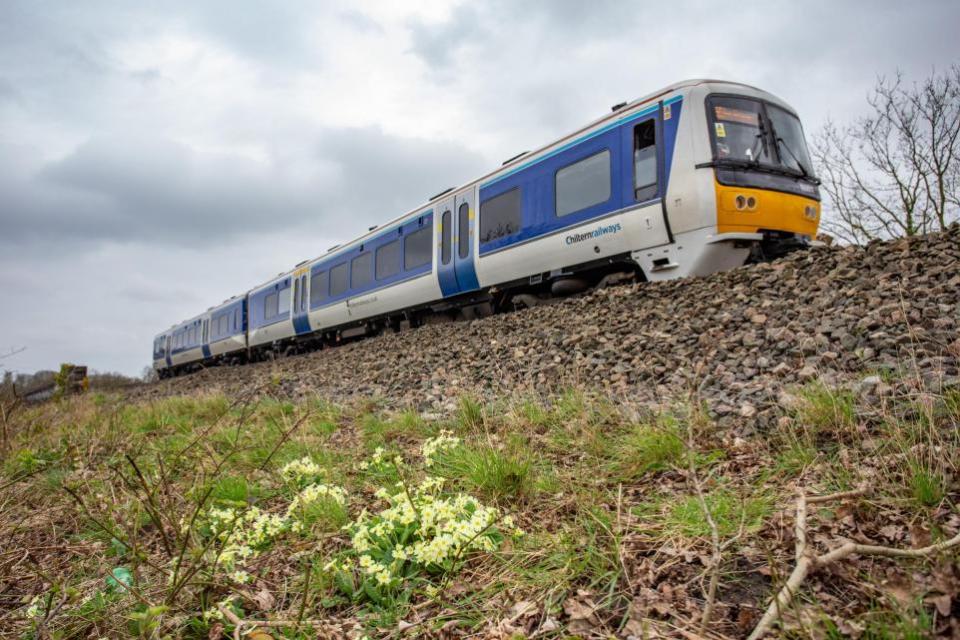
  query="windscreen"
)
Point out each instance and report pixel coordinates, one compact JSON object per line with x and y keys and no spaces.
{"x":758,"y":133}
{"x":790,"y":142}
{"x":739,"y":131}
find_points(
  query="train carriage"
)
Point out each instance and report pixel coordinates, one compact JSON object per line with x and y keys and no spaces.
{"x":699,"y":177}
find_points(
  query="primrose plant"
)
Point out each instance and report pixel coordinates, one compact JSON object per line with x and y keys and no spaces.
{"x":243,"y":533}
{"x":422,"y":533}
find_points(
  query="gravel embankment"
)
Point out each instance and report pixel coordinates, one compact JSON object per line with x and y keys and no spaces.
{"x":739,"y":339}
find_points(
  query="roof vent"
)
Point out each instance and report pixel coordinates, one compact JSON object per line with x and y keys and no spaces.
{"x":519,"y":155}
{"x":618,"y":106}
{"x":447,"y":190}
{"x":372,"y":228}
{"x":332,"y":248}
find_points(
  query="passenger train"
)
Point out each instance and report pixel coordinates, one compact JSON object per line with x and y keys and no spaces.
{"x":698,"y":177}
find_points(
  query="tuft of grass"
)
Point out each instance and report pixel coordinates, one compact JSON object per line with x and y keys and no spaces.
{"x":927,"y":485}
{"x":494,"y":472}
{"x":796,"y":452}
{"x":730,"y":511}
{"x":233,"y":490}
{"x":898,"y":622}
{"x":647,"y":448}
{"x":469,"y":414}
{"x":825,"y":409}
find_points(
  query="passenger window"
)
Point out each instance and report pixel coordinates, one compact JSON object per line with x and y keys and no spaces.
{"x":446,"y":229}
{"x":583,"y":184}
{"x":418,"y":248}
{"x":284,"y":301}
{"x":338,"y":279}
{"x":388,"y":260}
{"x":500,"y":215}
{"x":271,"y":306}
{"x":361,"y":271}
{"x":303,"y":293}
{"x":463,"y":230}
{"x":645,"y":160}
{"x":318,"y":288}
{"x":296,"y":293}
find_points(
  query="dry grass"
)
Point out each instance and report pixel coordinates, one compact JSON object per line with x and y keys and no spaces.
{"x":105,"y":517}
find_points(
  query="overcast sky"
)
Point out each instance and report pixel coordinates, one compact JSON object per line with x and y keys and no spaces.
{"x":158,"y":157}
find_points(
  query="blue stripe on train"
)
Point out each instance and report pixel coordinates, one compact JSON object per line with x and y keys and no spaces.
{"x":537,"y":178}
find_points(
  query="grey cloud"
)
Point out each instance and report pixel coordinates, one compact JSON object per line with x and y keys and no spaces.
{"x":382,"y":176}
{"x":7,"y":92}
{"x":436,"y":44}
{"x":157,"y":190}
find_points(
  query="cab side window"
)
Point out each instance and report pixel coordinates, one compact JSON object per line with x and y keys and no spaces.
{"x":645,"y":160}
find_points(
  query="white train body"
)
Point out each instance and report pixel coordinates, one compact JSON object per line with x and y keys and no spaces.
{"x":691,"y":180}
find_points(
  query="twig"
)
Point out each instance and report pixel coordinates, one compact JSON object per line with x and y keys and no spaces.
{"x":807,"y":563}
{"x":710,"y":598}
{"x":239,"y":624}
{"x":153,"y":511}
{"x":619,"y":537}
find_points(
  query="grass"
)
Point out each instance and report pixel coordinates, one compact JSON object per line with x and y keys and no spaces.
{"x":730,"y":511}
{"x":499,"y":473}
{"x":825,"y":409}
{"x":646,"y":448}
{"x":602,"y":492}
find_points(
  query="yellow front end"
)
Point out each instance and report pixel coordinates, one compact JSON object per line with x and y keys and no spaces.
{"x":741,"y":209}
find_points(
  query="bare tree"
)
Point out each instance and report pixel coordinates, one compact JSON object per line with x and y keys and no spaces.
{"x":895,"y":172}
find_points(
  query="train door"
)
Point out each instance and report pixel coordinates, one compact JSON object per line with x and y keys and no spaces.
{"x":301,"y":320}
{"x":446,"y":269}
{"x":456,"y":231}
{"x":464,"y":240}
{"x":166,"y":352}
{"x":206,"y":337}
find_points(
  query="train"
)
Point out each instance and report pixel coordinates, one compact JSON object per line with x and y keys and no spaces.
{"x":698,"y":177}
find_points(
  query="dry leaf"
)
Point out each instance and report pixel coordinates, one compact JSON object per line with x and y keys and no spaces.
{"x":259,"y":634}
{"x":891,"y":532}
{"x":942,"y":603}
{"x":264,"y":600}
{"x":216,"y":631}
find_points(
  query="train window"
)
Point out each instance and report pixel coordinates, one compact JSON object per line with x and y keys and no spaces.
{"x":338,"y":279}
{"x":500,"y":215}
{"x":446,"y":235}
{"x":236,"y":319}
{"x":463,"y":230}
{"x":296,"y":294}
{"x":303,"y":292}
{"x":361,"y":270}
{"x":388,"y":260}
{"x":318,"y":288}
{"x":283,"y":307}
{"x":271,"y":306}
{"x":645,"y":160}
{"x":418,"y":248}
{"x":583,"y":184}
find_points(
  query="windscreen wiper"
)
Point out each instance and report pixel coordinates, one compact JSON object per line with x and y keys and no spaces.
{"x":803,"y":169}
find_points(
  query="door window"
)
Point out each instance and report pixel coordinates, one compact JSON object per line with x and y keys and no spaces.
{"x":645,"y":160}
{"x":463,"y":229}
